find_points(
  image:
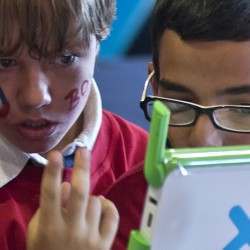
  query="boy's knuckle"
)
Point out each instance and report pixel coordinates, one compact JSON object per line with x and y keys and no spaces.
{"x":112,"y":211}
{"x":92,"y":243}
{"x":115,"y":213}
{"x":104,"y":245}
{"x":95,"y":203}
{"x":48,"y":194}
{"x":47,"y":232}
{"x":79,"y":192}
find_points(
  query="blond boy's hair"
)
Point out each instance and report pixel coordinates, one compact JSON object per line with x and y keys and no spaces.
{"x":47,"y":27}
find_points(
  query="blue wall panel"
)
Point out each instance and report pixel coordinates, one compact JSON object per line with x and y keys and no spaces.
{"x":131,"y":15}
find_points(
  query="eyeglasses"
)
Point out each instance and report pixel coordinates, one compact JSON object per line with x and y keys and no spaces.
{"x":233,"y":118}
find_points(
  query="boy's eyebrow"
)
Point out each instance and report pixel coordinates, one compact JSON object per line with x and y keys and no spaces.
{"x":178,"y":87}
{"x":239,"y":90}
{"x":174,"y":86}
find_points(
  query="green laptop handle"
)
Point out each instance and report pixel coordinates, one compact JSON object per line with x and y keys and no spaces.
{"x":154,"y":169}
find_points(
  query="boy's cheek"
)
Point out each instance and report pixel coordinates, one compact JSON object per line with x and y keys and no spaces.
{"x":4,"y":105}
{"x":73,"y":97}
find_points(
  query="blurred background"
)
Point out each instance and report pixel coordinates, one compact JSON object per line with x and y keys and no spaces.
{"x":121,"y":68}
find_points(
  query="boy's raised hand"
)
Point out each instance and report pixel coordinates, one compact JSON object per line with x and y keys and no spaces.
{"x":68,"y":217}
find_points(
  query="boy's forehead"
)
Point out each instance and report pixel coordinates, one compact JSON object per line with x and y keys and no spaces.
{"x":210,"y":65}
{"x":172,"y":44}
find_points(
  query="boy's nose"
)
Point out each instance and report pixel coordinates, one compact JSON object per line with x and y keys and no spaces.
{"x":34,"y":92}
{"x":204,"y":134}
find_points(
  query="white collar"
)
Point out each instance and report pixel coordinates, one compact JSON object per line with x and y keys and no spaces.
{"x":12,"y":160}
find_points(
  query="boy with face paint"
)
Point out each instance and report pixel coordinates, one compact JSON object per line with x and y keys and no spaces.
{"x":200,"y":60}
{"x":50,"y":109}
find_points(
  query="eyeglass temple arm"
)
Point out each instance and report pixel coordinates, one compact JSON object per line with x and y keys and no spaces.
{"x":144,"y":92}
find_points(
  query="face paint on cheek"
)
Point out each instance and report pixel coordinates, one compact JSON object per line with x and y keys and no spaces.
{"x":84,"y":87}
{"x":73,"y":98}
{"x":74,"y":95}
{"x":4,"y":105}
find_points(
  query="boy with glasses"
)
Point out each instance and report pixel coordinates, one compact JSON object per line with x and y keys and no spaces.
{"x":228,"y":117}
{"x":49,"y":101}
{"x":200,"y":70}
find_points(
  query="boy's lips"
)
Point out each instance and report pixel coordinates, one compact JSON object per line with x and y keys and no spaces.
{"x":36,"y":129}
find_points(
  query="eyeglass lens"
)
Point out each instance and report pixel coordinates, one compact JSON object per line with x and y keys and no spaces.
{"x":232,"y":118}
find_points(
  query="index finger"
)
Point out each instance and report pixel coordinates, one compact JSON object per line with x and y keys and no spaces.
{"x":51,"y":187}
{"x":80,"y":185}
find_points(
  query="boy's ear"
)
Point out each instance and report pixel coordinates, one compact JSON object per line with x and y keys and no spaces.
{"x":153,"y":81}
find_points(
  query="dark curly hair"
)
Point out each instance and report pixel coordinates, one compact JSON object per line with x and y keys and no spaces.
{"x":207,"y":20}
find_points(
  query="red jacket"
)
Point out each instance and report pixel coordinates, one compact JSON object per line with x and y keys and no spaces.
{"x":133,"y":187}
{"x":120,"y":145}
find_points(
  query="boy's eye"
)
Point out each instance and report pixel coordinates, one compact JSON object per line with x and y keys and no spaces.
{"x":66,"y":59}
{"x":7,"y":63}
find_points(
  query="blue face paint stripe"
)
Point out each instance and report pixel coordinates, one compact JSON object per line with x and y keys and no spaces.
{"x":4,"y":105}
{"x":3,"y":97}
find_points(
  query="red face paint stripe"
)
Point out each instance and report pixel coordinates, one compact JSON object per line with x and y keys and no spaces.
{"x":84,"y":87}
{"x":73,"y":95}
{"x":73,"y":98}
